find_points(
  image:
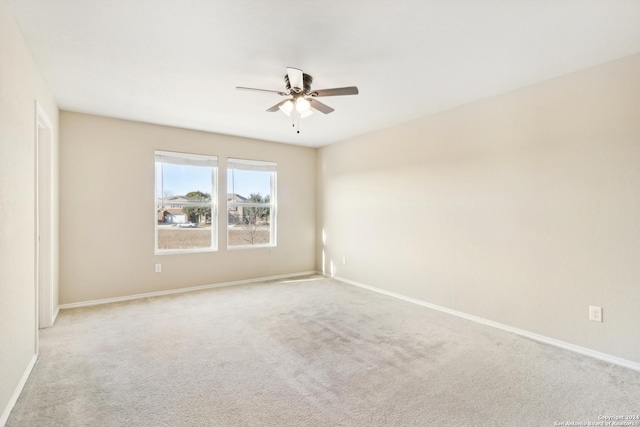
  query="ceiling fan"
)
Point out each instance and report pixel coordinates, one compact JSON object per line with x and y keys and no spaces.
{"x":301,"y":99}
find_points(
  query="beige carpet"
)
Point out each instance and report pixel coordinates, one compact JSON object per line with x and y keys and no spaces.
{"x":312,"y":352}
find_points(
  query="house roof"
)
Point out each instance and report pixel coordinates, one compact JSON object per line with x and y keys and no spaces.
{"x":235,"y":197}
{"x":174,"y":211}
{"x":409,"y":59}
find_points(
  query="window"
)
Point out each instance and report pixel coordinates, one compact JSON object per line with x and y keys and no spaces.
{"x":186,"y":202}
{"x":251,"y":203}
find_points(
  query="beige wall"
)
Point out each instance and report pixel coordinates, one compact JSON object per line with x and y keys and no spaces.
{"x":20,"y":86}
{"x":106,"y":252}
{"x":523,"y":209}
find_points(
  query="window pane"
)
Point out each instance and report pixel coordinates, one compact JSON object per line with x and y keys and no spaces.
{"x":249,"y":226}
{"x":184,"y":204}
{"x":180,"y":180}
{"x":250,"y":202}
{"x":176,"y":237}
{"x":244,"y":184}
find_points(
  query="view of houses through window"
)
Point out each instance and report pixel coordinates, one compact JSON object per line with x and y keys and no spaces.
{"x":186,"y":216}
{"x":186,"y":202}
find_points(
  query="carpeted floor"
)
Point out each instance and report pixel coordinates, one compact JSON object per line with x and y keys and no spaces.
{"x":309,"y":352}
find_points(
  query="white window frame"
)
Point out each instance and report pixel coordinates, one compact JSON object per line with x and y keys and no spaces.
{"x":194,"y":159}
{"x":256,"y":165}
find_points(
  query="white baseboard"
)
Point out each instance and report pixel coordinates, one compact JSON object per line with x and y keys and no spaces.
{"x":537,"y":337}
{"x":16,"y":394}
{"x":55,"y":315}
{"x":181,"y":290}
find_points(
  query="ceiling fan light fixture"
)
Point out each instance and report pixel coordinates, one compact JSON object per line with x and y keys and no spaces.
{"x":302,"y":105}
{"x":286,"y":108}
{"x":298,"y":94}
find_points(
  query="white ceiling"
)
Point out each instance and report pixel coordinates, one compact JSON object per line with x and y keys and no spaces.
{"x":177,"y":63}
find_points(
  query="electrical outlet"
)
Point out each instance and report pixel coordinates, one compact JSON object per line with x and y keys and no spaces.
{"x":158,"y":268}
{"x":344,"y":260}
{"x":595,"y":313}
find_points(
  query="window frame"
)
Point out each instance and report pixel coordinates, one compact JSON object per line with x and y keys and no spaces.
{"x":272,"y":204}
{"x":212,"y":203}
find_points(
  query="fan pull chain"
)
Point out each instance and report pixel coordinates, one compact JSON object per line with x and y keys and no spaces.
{"x":296,"y":121}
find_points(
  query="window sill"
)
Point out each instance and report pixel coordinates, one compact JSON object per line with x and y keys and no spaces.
{"x":184,"y":251}
{"x":244,"y":247}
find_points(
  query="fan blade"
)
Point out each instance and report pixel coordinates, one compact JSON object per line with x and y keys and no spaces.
{"x":295,"y":78}
{"x":277,"y":106}
{"x":336,"y":91}
{"x":323,"y":108}
{"x":261,"y":90}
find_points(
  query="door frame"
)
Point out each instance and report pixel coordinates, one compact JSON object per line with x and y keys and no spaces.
{"x":44,"y":227}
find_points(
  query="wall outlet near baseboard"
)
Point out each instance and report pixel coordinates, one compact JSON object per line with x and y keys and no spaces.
{"x":595,"y":313}
{"x":158,"y":268}
{"x":344,"y":260}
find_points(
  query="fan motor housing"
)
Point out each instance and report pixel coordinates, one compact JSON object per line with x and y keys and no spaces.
{"x":306,"y":82}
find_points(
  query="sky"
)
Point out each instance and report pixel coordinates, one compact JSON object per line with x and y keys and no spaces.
{"x":182,"y":179}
